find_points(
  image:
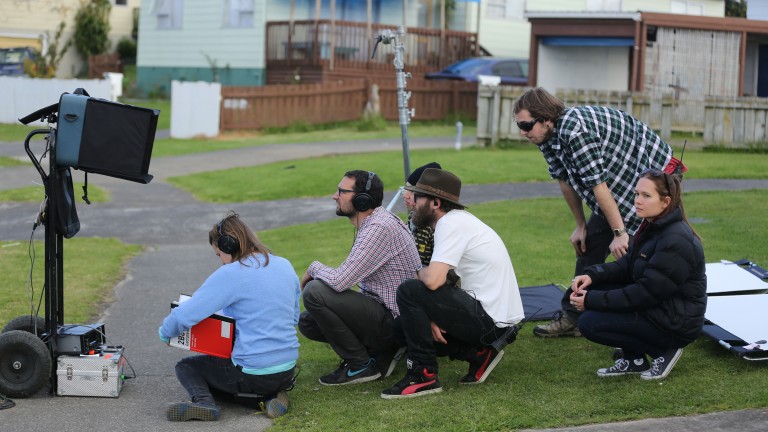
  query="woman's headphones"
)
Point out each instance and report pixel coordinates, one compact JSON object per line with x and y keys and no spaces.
{"x":226,"y":243}
{"x":363,"y":201}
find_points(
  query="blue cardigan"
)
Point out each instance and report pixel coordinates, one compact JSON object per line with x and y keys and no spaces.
{"x":263,"y":300}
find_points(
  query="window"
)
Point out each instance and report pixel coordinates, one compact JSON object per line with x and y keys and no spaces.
{"x":508,"y":69}
{"x":121,"y":2}
{"x":505,"y":9}
{"x":238,"y":13}
{"x":604,"y":5}
{"x":687,"y":7}
{"x":169,"y":13}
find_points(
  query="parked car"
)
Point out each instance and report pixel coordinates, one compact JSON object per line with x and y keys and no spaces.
{"x":12,"y":60}
{"x":512,"y":71}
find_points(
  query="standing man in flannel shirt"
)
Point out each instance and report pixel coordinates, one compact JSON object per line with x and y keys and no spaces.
{"x":359,"y":325}
{"x":596,"y":154}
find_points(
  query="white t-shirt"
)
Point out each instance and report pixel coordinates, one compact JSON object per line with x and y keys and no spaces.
{"x":480,"y":259}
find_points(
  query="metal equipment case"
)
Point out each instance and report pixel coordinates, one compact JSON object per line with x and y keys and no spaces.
{"x":98,"y":375}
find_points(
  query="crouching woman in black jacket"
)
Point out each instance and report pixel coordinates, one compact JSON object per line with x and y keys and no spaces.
{"x":652,"y":300}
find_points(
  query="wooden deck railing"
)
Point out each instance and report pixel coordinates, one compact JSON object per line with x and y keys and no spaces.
{"x":348,"y":45}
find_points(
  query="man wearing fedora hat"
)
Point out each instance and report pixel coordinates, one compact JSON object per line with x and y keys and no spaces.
{"x":436,"y":317}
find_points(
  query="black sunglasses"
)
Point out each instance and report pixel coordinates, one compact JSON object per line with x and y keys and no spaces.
{"x":527,"y":126}
{"x":657,"y":173}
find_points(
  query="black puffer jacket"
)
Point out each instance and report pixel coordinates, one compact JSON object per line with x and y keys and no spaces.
{"x":662,"y":277}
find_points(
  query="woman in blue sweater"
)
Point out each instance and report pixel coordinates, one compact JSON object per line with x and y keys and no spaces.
{"x":651,"y":302}
{"x":261,"y":292}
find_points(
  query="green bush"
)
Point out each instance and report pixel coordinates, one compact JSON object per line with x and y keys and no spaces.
{"x":126,"y":49}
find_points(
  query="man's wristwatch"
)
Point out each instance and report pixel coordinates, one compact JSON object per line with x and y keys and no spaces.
{"x":619,"y":232}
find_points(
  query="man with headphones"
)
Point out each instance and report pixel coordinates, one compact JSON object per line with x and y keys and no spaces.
{"x":358,"y":325}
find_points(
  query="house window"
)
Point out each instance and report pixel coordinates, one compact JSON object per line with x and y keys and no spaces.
{"x":121,"y":2}
{"x":169,"y":13}
{"x":505,"y":9}
{"x":238,"y":13}
{"x":604,"y":5}
{"x":687,"y":7}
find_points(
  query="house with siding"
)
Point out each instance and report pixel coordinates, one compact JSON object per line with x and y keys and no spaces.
{"x":227,"y":41}
{"x":504,"y":30}
{"x":33,"y":23}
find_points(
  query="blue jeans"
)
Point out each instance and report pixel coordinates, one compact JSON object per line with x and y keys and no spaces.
{"x":629,"y":331}
{"x":201,"y":374}
{"x":468,"y":327}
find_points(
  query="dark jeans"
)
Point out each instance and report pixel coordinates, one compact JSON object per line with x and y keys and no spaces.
{"x":201,"y":374}
{"x":629,"y":331}
{"x":468,"y":327}
{"x":599,"y":238}
{"x":356,"y":326}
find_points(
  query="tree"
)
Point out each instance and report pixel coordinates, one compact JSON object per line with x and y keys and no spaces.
{"x":92,"y":27}
{"x":736,"y":8}
{"x":44,"y":65}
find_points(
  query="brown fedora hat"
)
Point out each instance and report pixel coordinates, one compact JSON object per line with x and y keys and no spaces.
{"x":439,"y":183}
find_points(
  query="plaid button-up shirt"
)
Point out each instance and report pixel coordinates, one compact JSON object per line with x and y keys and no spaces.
{"x":594,"y":145}
{"x":383,"y":256}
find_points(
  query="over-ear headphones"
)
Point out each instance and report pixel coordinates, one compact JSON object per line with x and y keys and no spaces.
{"x":363,"y":201}
{"x":226,"y":243}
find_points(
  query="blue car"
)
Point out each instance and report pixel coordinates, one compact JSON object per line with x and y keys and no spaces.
{"x":12,"y":60}
{"x":513,"y":71}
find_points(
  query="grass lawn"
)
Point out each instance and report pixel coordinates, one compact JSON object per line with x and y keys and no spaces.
{"x":89,"y":279}
{"x":6,"y":161}
{"x":349,"y":132}
{"x":475,"y":165}
{"x":539,"y":383}
{"x":36,"y":193}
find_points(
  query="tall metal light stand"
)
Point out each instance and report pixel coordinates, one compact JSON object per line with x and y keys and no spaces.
{"x":387,"y":37}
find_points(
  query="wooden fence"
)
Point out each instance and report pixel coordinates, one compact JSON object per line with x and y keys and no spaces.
{"x":245,"y":108}
{"x":736,"y":121}
{"x":101,"y":63}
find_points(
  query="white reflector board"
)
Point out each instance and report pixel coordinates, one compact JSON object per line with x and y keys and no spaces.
{"x":723,"y":278}
{"x":744,"y":316}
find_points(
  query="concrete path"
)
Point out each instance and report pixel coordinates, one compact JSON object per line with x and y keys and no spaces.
{"x":173,"y":226}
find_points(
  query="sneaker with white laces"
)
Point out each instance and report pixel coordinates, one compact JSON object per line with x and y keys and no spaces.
{"x":562,"y":325}
{"x":625,"y":367}
{"x":662,"y":365}
{"x":351,"y":374}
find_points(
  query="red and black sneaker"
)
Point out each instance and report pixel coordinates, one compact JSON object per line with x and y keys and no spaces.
{"x":417,"y":382}
{"x":481,"y":364}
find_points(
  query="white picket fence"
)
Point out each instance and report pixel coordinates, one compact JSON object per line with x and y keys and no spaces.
{"x":21,"y":96}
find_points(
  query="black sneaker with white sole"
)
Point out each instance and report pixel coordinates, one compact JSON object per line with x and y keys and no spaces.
{"x":351,"y":374}
{"x":481,"y":364}
{"x":418,"y":381}
{"x":625,"y":367}
{"x":662,"y":365}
